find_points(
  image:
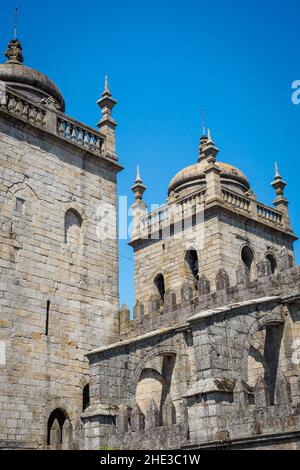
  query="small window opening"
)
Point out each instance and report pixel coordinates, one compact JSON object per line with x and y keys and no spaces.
{"x":273,"y":263}
{"x":47,"y":317}
{"x":160,"y":284}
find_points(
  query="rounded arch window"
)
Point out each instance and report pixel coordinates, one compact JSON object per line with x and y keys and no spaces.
{"x":191,"y":260}
{"x":73,"y":223}
{"x":272,"y":261}
{"x":159,"y":282}
{"x":248,"y":257}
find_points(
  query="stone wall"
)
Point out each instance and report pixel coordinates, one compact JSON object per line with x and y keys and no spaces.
{"x":211,"y":390}
{"x":218,"y":240}
{"x":58,"y":300}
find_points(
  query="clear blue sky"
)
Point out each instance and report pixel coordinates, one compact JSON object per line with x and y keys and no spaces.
{"x":166,"y":60}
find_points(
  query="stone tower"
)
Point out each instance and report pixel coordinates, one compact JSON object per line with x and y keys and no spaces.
{"x":59,"y":274}
{"x":211,"y":355}
{"x":211,"y":224}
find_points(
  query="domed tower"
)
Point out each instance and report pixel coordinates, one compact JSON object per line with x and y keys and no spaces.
{"x":33,"y":84}
{"x":59,"y":255}
{"x":211,"y":229}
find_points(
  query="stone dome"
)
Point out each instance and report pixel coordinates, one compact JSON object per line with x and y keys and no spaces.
{"x":28,"y":81}
{"x":193,"y":177}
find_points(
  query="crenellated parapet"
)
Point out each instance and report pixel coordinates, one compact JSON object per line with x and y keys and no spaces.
{"x":176,"y":309}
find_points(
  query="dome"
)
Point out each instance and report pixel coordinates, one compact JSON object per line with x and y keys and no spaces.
{"x":193,"y":177}
{"x":26,"y":80}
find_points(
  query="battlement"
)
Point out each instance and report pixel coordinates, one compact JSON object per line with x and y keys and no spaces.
{"x":175,"y":311}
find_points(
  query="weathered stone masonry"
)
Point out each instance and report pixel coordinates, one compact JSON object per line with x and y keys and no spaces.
{"x":210,"y":357}
{"x":59,"y":284}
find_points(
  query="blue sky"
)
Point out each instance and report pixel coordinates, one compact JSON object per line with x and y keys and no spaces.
{"x":166,"y":60}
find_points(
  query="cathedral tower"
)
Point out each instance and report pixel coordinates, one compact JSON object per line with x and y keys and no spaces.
{"x":59,"y":256}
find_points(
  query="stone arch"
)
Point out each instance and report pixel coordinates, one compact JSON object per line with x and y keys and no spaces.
{"x":154,"y":383}
{"x":72,"y":227}
{"x":261,"y":358}
{"x":75,"y":207}
{"x":247,"y":256}
{"x":59,"y":429}
{"x":160,"y":285}
{"x":85,"y":392}
{"x":20,"y":186}
{"x":156,"y":351}
{"x":192,"y":265}
{"x":272,"y":260}
{"x":59,"y":403}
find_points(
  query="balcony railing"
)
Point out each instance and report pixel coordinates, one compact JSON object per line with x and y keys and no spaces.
{"x":51,"y":120}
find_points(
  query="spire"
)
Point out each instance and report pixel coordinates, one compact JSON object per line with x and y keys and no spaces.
{"x":278,"y":183}
{"x":280,"y":202}
{"x":16,"y":23}
{"x":107,"y":124}
{"x":138,"y":188}
{"x":207,"y":148}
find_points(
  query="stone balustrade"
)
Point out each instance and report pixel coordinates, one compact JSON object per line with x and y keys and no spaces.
{"x":21,"y":107}
{"x":268,"y":214}
{"x":48,"y":118}
{"x":172,"y":213}
{"x":236,"y":201}
{"x":80,"y":135}
{"x":181,"y":209}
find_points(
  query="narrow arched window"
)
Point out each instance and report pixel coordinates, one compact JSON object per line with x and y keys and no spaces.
{"x":159,"y":281}
{"x":56,"y":423}
{"x":73,"y":223}
{"x":273,"y":262}
{"x":85,"y":397}
{"x":191,"y":259}
{"x":247,"y":257}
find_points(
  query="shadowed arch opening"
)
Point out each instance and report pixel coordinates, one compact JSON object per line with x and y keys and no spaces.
{"x":57,"y":416}
{"x":272,"y":261}
{"x":159,"y":282}
{"x":85,"y":397}
{"x":73,"y":223}
{"x":192,"y":262}
{"x":248,"y":258}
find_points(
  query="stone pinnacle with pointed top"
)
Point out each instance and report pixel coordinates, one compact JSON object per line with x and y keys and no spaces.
{"x":278,"y":183}
{"x":107,"y":124}
{"x":207,"y":148}
{"x":138,"y":188}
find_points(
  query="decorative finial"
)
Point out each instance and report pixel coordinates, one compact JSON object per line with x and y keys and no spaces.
{"x":207,"y":147}
{"x":14,"y":52}
{"x":138,"y":188}
{"x":278,"y":183}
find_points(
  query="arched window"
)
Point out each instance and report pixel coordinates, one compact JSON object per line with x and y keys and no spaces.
{"x":248,"y":258}
{"x":73,"y":222}
{"x":85,"y":397}
{"x":191,"y":259}
{"x":160,"y":285}
{"x":59,"y":429}
{"x":273,"y":262}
